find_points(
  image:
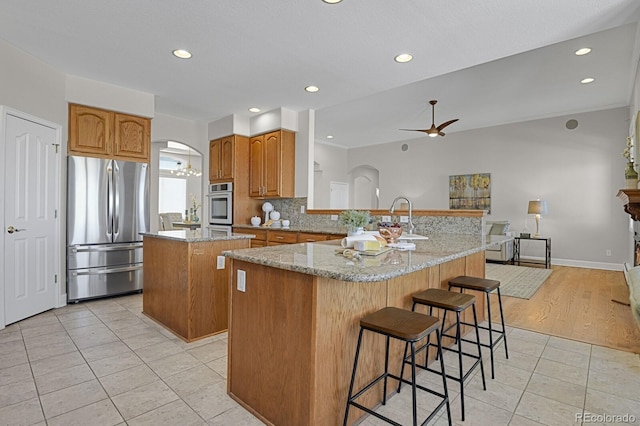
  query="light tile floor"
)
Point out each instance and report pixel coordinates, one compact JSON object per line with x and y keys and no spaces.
{"x":104,"y":363}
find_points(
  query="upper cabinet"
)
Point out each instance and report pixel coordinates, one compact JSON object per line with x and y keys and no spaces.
{"x":101,"y":133}
{"x":221,"y":159}
{"x":272,"y":165}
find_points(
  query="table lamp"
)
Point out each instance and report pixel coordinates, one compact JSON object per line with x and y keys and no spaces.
{"x":537,"y":208}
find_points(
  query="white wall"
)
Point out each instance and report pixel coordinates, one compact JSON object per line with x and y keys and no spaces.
{"x":332,"y":165}
{"x":578,"y":172}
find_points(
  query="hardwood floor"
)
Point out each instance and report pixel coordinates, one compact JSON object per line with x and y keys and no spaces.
{"x":576,"y":303}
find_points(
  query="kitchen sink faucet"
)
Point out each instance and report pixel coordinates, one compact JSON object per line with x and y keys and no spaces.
{"x":393,"y":207}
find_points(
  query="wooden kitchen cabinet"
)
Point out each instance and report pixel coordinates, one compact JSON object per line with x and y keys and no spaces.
{"x":272,"y":164}
{"x":108,"y":134}
{"x":221,"y":159}
{"x":275,"y":238}
{"x":260,"y":239}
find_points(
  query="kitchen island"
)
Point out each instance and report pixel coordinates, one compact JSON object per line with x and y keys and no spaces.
{"x":294,"y":320}
{"x":185,"y":287}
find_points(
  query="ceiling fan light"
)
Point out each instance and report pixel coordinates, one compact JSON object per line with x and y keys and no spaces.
{"x":433,"y":134}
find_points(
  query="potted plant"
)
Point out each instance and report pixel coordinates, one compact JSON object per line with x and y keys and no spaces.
{"x":355,"y":220}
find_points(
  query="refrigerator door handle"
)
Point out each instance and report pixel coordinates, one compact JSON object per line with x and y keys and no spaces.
{"x":98,"y":271}
{"x":116,"y":204}
{"x":92,"y":249}
{"x":110,"y":200}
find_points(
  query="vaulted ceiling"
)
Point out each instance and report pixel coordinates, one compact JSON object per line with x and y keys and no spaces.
{"x":487,"y":62}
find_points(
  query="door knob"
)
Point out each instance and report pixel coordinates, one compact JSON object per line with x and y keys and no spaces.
{"x":11,"y":229}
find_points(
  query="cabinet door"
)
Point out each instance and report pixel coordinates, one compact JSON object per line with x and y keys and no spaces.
{"x":132,"y":137}
{"x":215,"y":156}
{"x":226,"y":158}
{"x":272,"y":166}
{"x":90,"y":130}
{"x":256,"y":164}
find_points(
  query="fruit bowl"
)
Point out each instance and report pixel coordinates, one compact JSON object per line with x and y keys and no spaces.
{"x":390,"y":233}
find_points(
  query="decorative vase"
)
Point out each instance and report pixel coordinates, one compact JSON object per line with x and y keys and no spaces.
{"x":630,"y":176}
{"x":355,"y":231}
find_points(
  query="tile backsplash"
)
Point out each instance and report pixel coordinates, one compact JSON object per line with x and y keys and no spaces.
{"x":291,"y":209}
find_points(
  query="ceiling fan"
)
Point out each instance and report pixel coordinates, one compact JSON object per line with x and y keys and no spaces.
{"x":434,"y":131}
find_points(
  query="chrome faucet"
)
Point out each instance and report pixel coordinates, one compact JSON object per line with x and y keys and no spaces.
{"x":393,"y":207}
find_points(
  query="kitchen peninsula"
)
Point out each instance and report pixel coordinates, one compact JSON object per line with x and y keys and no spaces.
{"x":295,"y":312}
{"x":186,"y":281}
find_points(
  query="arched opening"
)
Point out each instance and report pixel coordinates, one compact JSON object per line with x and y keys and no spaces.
{"x":175,"y":184}
{"x":365,"y":183}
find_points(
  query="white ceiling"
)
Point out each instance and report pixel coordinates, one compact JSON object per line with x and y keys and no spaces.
{"x":263,"y":53}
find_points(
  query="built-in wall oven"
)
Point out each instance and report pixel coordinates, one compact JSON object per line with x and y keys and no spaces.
{"x":220,"y":204}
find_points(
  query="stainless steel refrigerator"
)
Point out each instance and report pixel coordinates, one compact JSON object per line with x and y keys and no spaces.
{"x":107,"y":208}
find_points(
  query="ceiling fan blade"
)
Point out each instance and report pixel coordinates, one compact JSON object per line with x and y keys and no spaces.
{"x":416,"y":130}
{"x":441,"y":133}
{"x":446,"y":123}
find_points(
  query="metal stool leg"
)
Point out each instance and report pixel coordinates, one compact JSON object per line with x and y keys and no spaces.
{"x":413,"y":384}
{"x":353,"y":377}
{"x":475,"y":321}
{"x":458,"y":335}
{"x":504,"y":331}
{"x":444,"y":376}
{"x":493,"y":376}
{"x":386,"y":372}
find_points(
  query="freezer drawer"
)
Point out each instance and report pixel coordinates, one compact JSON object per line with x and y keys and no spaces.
{"x":103,"y":255}
{"x":99,"y":282}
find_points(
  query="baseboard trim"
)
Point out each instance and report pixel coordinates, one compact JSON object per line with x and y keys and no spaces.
{"x":62,"y":300}
{"x":579,"y":263}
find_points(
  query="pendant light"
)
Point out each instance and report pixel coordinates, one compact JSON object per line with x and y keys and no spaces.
{"x":187,"y":170}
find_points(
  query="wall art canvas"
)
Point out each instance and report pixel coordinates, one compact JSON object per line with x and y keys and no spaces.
{"x":470,"y":192}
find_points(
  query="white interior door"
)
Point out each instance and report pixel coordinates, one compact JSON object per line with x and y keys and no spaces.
{"x":338,"y":195}
{"x":31,"y":229}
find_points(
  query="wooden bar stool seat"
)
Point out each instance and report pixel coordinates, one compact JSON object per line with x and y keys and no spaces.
{"x":455,"y":302}
{"x":409,"y":327}
{"x":487,"y":286}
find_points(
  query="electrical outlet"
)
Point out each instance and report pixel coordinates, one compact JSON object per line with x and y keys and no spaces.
{"x":608,"y":252}
{"x":220,"y":262}
{"x":404,"y":219}
{"x":302,"y":209}
{"x":334,"y":217}
{"x":242,"y":280}
{"x":386,"y":218}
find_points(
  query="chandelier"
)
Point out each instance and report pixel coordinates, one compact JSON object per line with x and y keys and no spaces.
{"x":187,"y":170}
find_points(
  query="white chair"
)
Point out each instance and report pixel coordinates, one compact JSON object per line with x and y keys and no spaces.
{"x":167,"y":219}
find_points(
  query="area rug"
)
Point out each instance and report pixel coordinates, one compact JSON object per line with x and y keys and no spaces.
{"x":517,"y":281}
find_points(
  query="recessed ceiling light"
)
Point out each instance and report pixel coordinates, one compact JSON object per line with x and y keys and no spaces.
{"x":182,"y":54}
{"x":311,"y":89}
{"x":329,"y":137}
{"x":587,"y":80}
{"x":583,"y":51}
{"x":254,"y":109}
{"x":332,"y":1}
{"x":403,"y":57}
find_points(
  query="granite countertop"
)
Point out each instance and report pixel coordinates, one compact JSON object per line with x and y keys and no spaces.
{"x":335,"y":231}
{"x":195,"y":236}
{"x":321,"y":259}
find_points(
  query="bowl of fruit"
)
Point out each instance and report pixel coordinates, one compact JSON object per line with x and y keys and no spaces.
{"x":390,"y":231}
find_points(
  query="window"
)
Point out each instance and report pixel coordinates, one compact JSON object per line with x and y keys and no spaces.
{"x":172,"y":195}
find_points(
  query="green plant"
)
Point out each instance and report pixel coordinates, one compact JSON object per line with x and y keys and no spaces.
{"x":355,"y":218}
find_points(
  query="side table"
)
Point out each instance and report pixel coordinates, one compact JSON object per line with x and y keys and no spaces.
{"x":547,"y":255}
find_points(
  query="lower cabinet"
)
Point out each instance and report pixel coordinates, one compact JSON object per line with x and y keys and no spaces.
{"x":271,"y":237}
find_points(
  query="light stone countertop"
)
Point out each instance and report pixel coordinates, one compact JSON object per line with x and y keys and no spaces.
{"x":195,"y":236}
{"x":334,"y":231}
{"x":321,"y":259}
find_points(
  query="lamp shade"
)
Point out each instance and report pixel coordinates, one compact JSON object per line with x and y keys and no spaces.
{"x":537,"y":207}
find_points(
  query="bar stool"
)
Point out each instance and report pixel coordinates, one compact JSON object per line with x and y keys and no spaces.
{"x":487,"y":286}
{"x":409,"y":327}
{"x":456,"y":302}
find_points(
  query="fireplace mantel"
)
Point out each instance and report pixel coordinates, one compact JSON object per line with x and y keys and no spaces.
{"x":631,"y":200}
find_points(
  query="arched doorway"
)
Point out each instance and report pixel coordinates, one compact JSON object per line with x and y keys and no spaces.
{"x":171,"y":190}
